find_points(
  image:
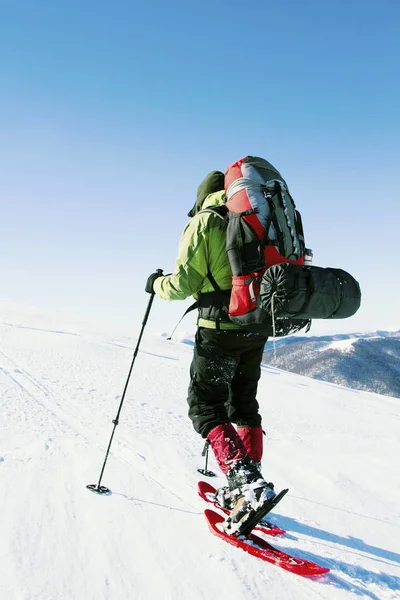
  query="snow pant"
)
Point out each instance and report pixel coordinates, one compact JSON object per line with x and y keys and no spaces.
{"x":224,"y":375}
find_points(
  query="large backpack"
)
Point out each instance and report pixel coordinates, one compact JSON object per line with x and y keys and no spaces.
{"x":263,"y":229}
{"x":273,"y":291}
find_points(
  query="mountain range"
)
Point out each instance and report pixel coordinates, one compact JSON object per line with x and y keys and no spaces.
{"x":363,"y":361}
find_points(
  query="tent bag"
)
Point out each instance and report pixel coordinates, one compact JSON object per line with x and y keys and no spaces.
{"x":299,"y":292}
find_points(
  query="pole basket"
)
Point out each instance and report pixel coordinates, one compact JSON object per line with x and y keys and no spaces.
{"x":207,"y":473}
{"x":102,"y":490}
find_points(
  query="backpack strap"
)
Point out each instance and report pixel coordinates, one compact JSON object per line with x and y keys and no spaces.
{"x":265,"y":241}
{"x":213,"y":282}
{"x":220,"y":211}
{"x":188,"y":310}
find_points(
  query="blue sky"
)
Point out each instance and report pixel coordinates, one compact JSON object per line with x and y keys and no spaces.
{"x":112,"y":113}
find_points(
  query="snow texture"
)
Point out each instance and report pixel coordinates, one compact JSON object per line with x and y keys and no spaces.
{"x":336,"y":449}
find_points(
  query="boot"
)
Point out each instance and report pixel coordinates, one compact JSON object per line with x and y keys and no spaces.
{"x":226,"y":499}
{"x":250,"y":494}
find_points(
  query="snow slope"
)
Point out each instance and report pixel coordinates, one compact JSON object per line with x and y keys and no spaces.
{"x":60,"y":387}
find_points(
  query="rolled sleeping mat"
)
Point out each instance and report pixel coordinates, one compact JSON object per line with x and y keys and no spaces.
{"x":300,"y":292}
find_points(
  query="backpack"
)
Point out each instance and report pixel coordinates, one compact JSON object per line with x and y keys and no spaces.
{"x":263,"y":229}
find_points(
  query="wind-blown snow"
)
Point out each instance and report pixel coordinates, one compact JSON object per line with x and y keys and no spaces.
{"x":336,"y":449}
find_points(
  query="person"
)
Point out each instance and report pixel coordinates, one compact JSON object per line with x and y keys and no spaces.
{"x":226,"y":364}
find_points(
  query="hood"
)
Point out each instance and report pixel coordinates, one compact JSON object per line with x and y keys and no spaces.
{"x":214,"y":182}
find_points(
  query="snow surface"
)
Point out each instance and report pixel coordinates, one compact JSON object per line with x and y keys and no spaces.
{"x":336,"y":449}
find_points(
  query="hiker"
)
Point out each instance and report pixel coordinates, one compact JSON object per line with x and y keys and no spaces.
{"x":225,"y":369}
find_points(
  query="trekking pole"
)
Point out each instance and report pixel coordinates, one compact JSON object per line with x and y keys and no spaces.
{"x":101,"y":489}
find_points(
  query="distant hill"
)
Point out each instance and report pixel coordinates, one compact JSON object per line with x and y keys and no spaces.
{"x":363,"y":361}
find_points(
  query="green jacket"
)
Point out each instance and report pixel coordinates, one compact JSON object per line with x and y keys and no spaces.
{"x":201,"y":250}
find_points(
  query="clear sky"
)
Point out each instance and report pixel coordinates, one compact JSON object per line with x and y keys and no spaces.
{"x":112,"y":113}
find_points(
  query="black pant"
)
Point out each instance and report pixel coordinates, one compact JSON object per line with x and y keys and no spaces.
{"x":224,"y":377}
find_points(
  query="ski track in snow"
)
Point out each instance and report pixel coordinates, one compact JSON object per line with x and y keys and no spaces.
{"x":59,"y":391}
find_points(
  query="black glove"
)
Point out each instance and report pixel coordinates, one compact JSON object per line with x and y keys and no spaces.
{"x":151,"y":280}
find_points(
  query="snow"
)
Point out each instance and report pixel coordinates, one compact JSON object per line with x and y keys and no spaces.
{"x":60,"y":387}
{"x":347,"y":345}
{"x":342,"y":345}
